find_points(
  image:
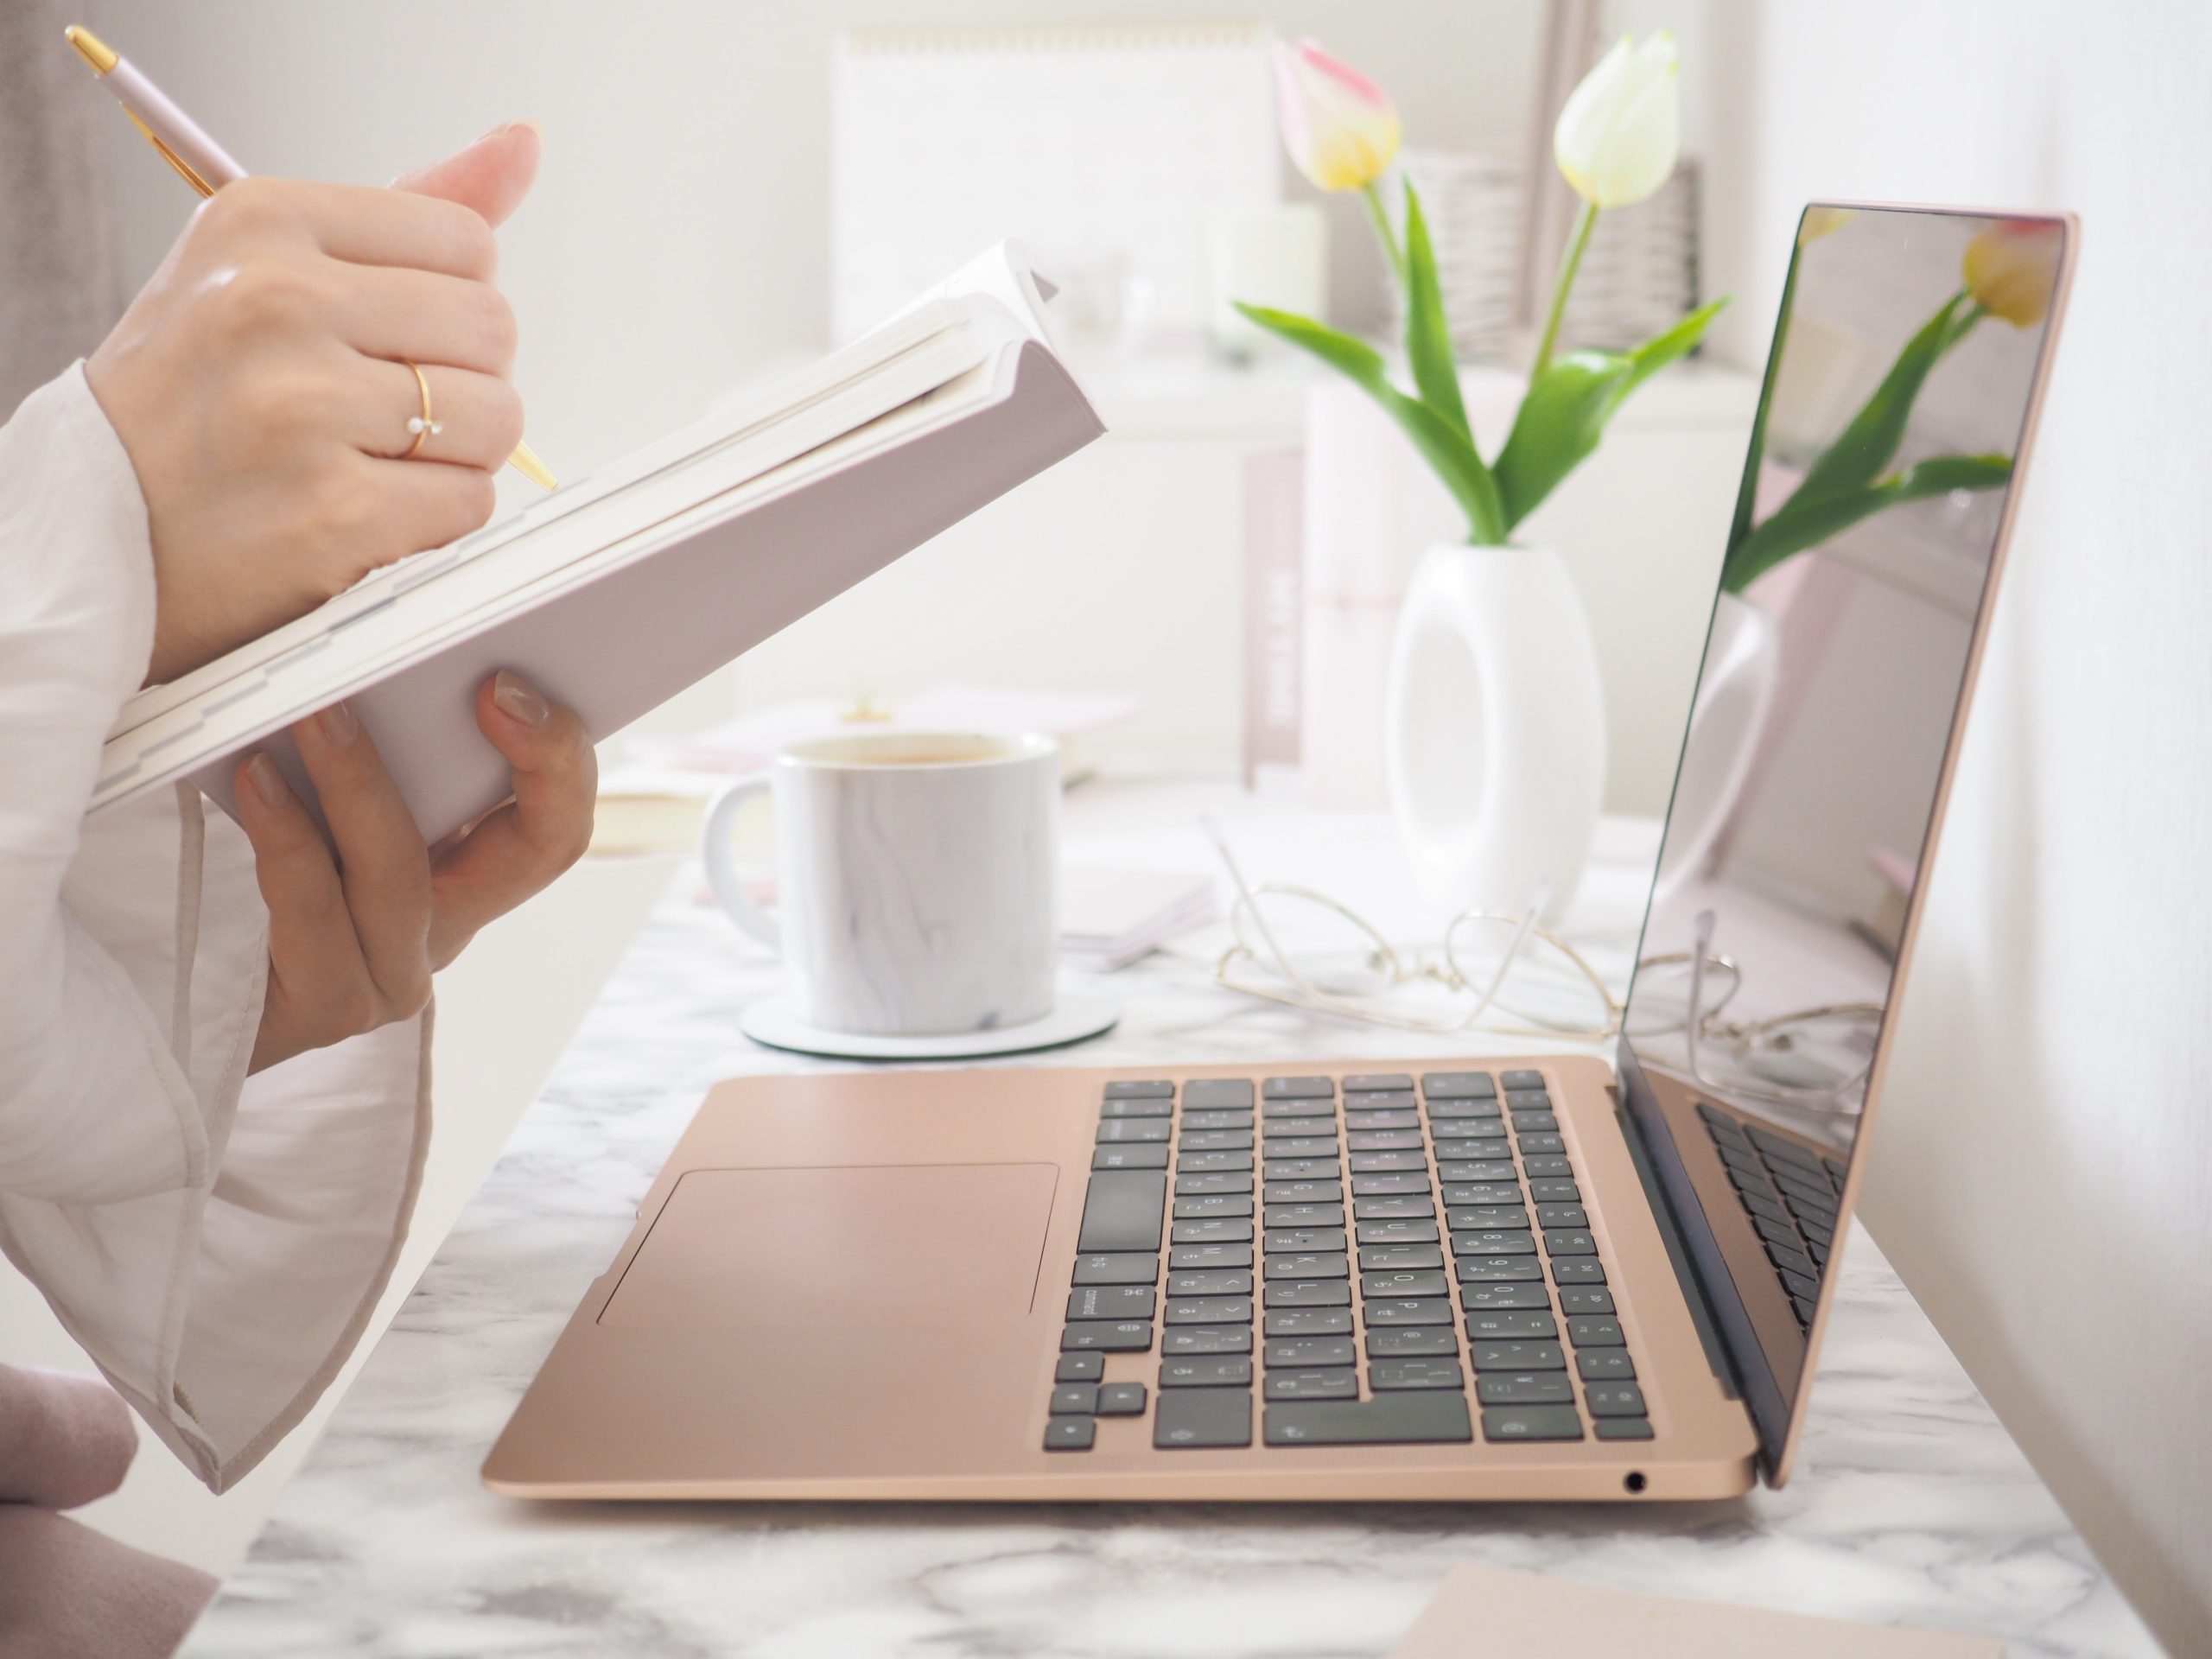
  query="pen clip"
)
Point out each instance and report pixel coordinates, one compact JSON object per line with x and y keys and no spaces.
{"x":183,"y":168}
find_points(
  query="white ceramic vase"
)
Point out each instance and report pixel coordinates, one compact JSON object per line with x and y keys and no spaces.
{"x":1496,"y":741}
{"x":1735,"y":690}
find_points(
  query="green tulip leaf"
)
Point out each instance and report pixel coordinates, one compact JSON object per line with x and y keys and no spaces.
{"x":1446,"y":448}
{"x":1870,"y":443}
{"x":1428,"y":336}
{"x":1806,"y":521}
{"x":1567,"y":407}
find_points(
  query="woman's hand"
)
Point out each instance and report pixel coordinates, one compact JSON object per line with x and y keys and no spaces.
{"x":259,"y":384}
{"x":359,"y":921}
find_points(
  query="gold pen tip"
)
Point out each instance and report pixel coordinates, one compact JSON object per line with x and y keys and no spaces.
{"x":94,"y":50}
{"x":525,"y":462}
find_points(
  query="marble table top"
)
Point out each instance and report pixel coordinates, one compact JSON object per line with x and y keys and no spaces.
{"x":1910,"y":1504}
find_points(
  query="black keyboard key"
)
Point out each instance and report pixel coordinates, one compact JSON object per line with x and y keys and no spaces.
{"x":1162,"y":1107}
{"x":1231,"y":1206}
{"x":1523,"y":1079}
{"x":1384,"y":1186}
{"x":1477,"y":1164}
{"x":1216,"y":1120}
{"x":1212,"y":1092}
{"x":1614,"y":1400}
{"x":1215,"y":1141}
{"x":1457,"y":1085}
{"x":1586,"y":1299}
{"x":1307,"y":1322}
{"x":1292,"y":1240}
{"x":1277,"y":1111}
{"x":1467,"y":1194}
{"x":1399,"y":1258}
{"x":1415,"y":1283}
{"x":1835,"y":1172}
{"x":1197,"y":1417}
{"x":1792,"y":1260}
{"x":1531,"y":1423}
{"x":1411,"y":1419}
{"x":1581,"y":1270}
{"x":1107,"y":1337}
{"x":1305,"y":1215}
{"x":1524,"y":1124}
{"x":1487,"y":1217}
{"x":1491,"y":1298}
{"x":1146,"y":1089}
{"x":1386,"y":1163}
{"x":1398,"y":1232}
{"x":1554,"y":1191}
{"x":1518,"y":1355}
{"x":1220,"y":1371}
{"x":1765,"y":1209}
{"x":1309,"y":1264}
{"x":1330,"y":1190}
{"x":1595,"y":1330}
{"x":1414,"y":1373}
{"x":1493,"y":1241}
{"x":1121,"y":1400}
{"x":1776,"y":1232}
{"x":1129,"y":1158}
{"x":1122,"y":1210}
{"x":1431,"y":1341}
{"x":1452,"y":1134}
{"x":1117,"y":1130}
{"x":1280,"y":1147}
{"x":1417,"y":1310}
{"x":1382,"y":1140}
{"x":1210,"y":1232}
{"x":1210,"y":1282}
{"x":1293,"y":1353}
{"x":1510,"y":1325}
{"x":1799,"y":1284}
{"x":1606,"y":1365}
{"x":1362,"y":1082}
{"x":1079,"y":1367}
{"x":1074,"y":1400}
{"x":1527,"y":1100}
{"x":1561,"y":1215}
{"x":1525,"y":1388}
{"x":1307,"y":1292}
{"x":1123,"y":1268}
{"x":1299,"y":1088}
{"x":1498,"y":1270}
{"x":1186,"y":1258}
{"x":1788,"y":1151}
{"x":1299,"y":1169}
{"x":1413,"y":1208}
{"x":1206,"y":1186}
{"x":1208,"y":1310}
{"x":1382,"y":1100}
{"x":1548,"y":1164}
{"x":1206,"y":1339}
{"x":1313,"y":1385}
{"x":1214,"y":1163}
{"x":1070,"y":1433}
{"x":1110,"y":1302}
{"x":1374,"y":1120}
{"x":1551,"y":1144}
{"x":1569,"y":1241}
{"x":1805,"y":1309}
{"x":1622,"y":1428}
{"x":1819,"y":1235}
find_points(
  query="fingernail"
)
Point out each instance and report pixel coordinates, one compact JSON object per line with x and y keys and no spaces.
{"x":267,"y":782}
{"x":505,"y":127}
{"x":518,"y":701}
{"x":338,"y":725}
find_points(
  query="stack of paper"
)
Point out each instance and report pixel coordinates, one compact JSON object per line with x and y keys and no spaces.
{"x":1111,"y":918}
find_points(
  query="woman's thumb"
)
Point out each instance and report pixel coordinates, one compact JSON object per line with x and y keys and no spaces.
{"x":491,"y":176}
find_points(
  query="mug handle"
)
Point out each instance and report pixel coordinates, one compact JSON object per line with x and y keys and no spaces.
{"x":721,"y":875}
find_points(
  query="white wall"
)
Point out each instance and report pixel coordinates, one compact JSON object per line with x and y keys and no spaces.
{"x":2042,"y":1173}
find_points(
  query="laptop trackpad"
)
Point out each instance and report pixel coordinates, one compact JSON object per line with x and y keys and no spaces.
{"x":786,"y":1250}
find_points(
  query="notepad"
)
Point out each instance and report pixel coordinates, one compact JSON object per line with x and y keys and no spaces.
{"x":618,"y":590}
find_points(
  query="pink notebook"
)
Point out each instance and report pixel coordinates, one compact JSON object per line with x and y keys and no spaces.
{"x":620,"y":590}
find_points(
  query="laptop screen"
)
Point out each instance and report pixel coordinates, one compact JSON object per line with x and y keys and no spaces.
{"x":1904,"y":373}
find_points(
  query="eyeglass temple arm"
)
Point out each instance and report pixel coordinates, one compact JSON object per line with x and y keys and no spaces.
{"x":1244,"y":891}
{"x":1700,"y":948}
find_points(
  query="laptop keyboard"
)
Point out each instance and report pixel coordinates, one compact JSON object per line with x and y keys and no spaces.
{"x":1302,"y":1239}
{"x":1790,"y":1193}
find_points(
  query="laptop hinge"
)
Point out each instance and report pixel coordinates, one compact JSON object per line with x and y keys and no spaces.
{"x":1670,"y":1232}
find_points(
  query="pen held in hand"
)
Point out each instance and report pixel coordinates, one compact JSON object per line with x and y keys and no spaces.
{"x":201,"y":161}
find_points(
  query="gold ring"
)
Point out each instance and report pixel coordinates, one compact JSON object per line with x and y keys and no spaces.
{"x":420,"y":425}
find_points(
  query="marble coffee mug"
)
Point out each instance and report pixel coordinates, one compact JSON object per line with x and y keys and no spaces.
{"x":917,"y":878}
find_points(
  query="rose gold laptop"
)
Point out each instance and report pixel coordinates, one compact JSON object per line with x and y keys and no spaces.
{"x":1544,"y":1277}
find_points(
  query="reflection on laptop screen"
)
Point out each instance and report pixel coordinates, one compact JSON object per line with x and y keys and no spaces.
{"x":1901,"y":381}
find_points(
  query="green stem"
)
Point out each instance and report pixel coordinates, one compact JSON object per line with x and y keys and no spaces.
{"x":1585,"y":221}
{"x":1383,"y":233}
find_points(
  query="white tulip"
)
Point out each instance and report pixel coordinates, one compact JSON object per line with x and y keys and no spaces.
{"x":1620,"y":134}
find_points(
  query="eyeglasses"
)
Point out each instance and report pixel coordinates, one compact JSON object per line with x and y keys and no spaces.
{"x":1506,"y":974}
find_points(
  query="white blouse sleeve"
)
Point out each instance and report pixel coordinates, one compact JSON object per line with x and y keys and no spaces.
{"x":215,"y":1243}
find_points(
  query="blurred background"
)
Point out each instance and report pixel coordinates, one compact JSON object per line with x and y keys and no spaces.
{"x":728,"y":189}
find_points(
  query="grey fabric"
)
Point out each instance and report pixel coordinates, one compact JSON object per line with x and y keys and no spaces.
{"x":57,"y":269}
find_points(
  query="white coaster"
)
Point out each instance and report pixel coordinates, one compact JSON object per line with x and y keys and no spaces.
{"x":774,"y":1022}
